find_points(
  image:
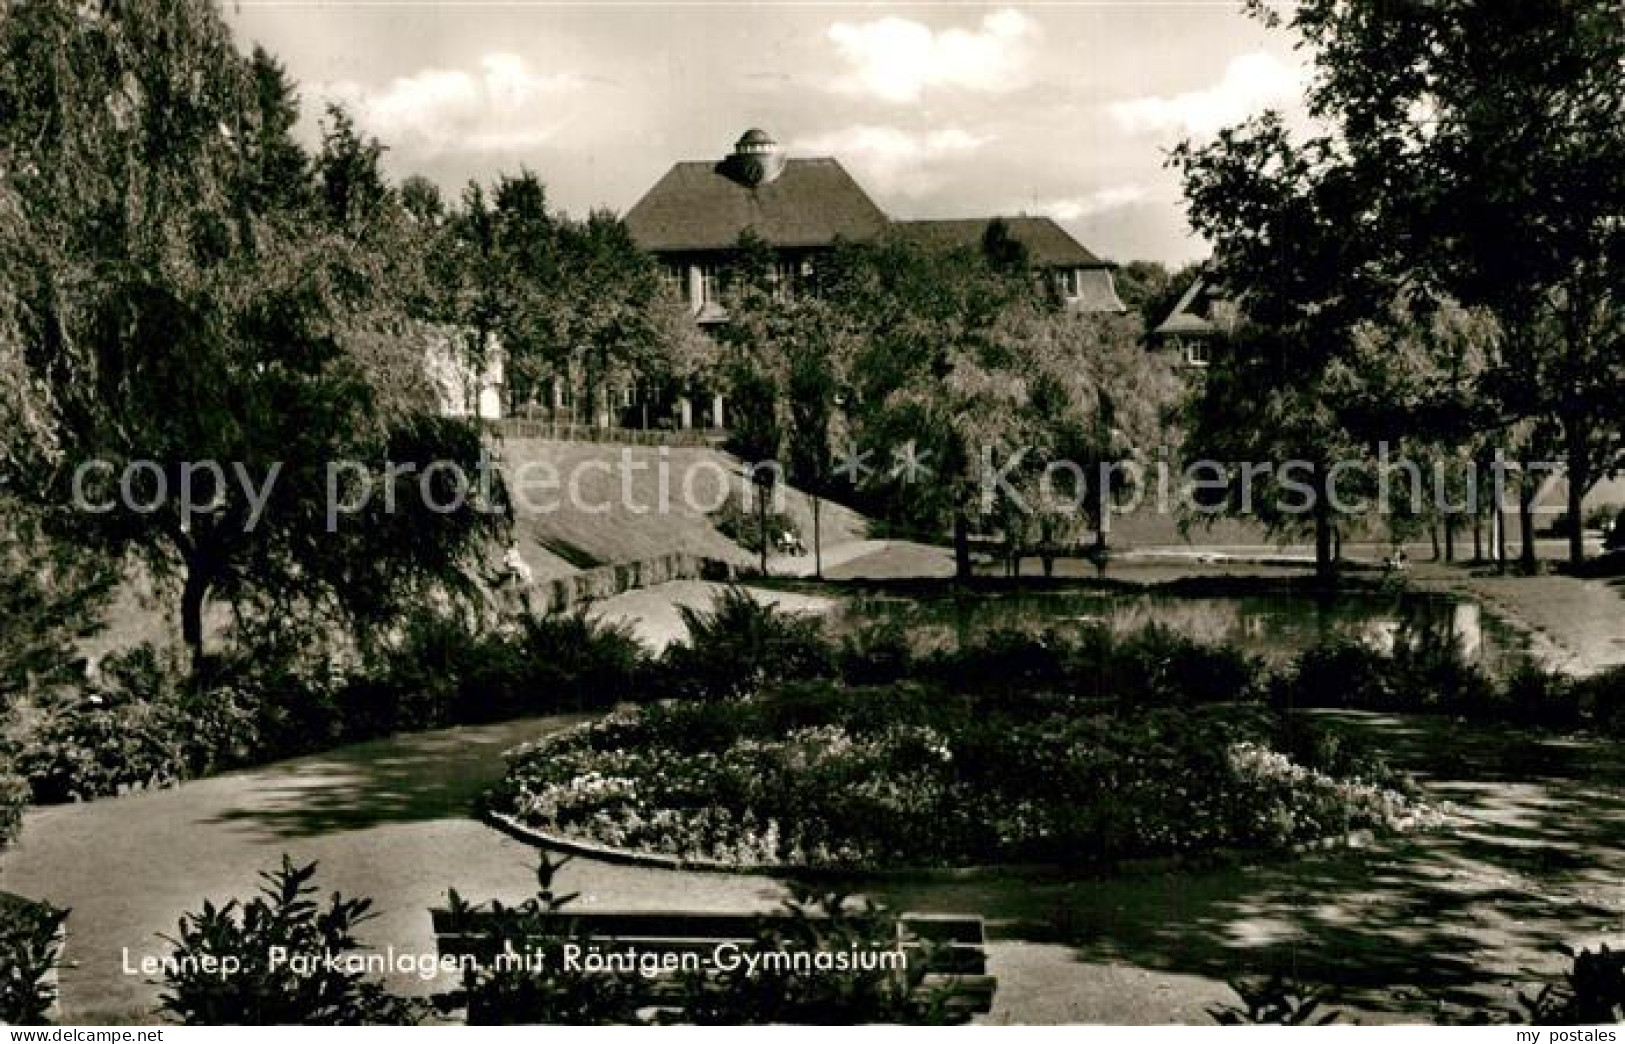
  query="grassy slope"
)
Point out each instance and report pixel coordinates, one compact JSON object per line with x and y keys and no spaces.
{"x":625,"y":481}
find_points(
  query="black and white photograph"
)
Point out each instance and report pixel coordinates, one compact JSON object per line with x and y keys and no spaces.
{"x":677,"y":513}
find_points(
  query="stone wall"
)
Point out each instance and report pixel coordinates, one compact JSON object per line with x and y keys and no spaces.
{"x":607,"y":581}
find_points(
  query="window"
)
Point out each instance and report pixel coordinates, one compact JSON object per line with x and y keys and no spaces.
{"x":675,"y":278}
{"x":1069,"y":283}
{"x":710,"y":285}
{"x":783,"y":278}
{"x":1198,"y":352}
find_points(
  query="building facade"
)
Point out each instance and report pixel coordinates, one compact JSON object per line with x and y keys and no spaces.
{"x":693,"y":218}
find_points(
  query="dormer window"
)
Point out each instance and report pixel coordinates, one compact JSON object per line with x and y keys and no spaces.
{"x":1069,"y":283}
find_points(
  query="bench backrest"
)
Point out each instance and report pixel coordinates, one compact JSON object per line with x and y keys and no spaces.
{"x":952,"y":946}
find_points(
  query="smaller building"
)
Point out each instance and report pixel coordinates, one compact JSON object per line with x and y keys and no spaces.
{"x":1196,"y":328}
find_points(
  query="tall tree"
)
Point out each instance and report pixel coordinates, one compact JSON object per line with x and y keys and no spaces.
{"x":1491,"y":137}
{"x":183,"y":328}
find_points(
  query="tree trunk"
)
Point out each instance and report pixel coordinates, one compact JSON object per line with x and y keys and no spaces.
{"x":1450,"y":538}
{"x":761,"y":522}
{"x":1526,"y":517}
{"x":1498,"y":520}
{"x":818,"y":539}
{"x":1498,"y":516}
{"x":1478,"y":537}
{"x":1325,"y":560}
{"x":194,"y":599}
{"x":961,"y":544}
{"x":1433,"y":535}
{"x":1579,"y":475}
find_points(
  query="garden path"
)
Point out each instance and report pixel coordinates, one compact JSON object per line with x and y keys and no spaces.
{"x":389,"y":819}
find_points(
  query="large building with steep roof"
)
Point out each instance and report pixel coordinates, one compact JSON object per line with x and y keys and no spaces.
{"x":693,"y":218}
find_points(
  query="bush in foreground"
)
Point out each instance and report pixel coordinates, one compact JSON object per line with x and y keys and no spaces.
{"x":224,"y":971}
{"x":30,"y":946}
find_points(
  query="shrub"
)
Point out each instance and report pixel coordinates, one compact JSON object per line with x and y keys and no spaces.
{"x":574,"y":661}
{"x":446,"y":670}
{"x":1592,"y":992}
{"x":1602,"y":698}
{"x":1172,"y":668}
{"x":30,"y":946}
{"x":1325,"y":747}
{"x":744,"y":526}
{"x":126,"y":732}
{"x":775,"y":995}
{"x":440,"y":669}
{"x":1276,"y":1001}
{"x":739,"y":644}
{"x":1004,"y":658}
{"x":876,"y":655}
{"x":15,"y":794}
{"x":224,"y":970}
{"x":1533,"y":696}
{"x":542,"y":989}
{"x":1343,"y":674}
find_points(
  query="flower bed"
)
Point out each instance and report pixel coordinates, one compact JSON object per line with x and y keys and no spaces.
{"x":823,"y":776}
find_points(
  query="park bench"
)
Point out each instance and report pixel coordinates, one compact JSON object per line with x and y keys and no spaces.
{"x":953,"y":947}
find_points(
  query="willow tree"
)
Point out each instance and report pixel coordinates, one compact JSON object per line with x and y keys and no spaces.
{"x":173,"y":300}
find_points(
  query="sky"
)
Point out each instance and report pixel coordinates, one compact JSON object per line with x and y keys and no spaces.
{"x":938,"y":109}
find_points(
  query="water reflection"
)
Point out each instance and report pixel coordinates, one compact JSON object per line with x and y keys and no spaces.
{"x":1274,"y":626}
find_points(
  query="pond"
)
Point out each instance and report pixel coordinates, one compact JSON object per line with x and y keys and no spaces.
{"x":1275,"y":626}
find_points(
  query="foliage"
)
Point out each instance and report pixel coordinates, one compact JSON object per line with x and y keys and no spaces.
{"x":746,"y":527}
{"x":147,"y":721}
{"x":168,"y":306}
{"x":232,"y":963}
{"x":775,"y":995}
{"x":1275,"y":1002}
{"x":563,"y":298}
{"x":542,"y":989}
{"x":738,"y":645}
{"x":1592,"y":992}
{"x":30,"y":946}
{"x":50,"y":595}
{"x":1483,"y":167}
{"x":126,"y":732}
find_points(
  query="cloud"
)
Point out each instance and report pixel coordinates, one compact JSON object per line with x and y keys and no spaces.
{"x":895,"y":160}
{"x":1251,"y":83}
{"x":895,"y":59}
{"x":1095,"y":202}
{"x":502,"y":105}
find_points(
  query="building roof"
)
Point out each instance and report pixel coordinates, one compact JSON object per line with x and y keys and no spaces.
{"x":1191,"y":317}
{"x":697,"y":206}
{"x":1048,"y":244}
